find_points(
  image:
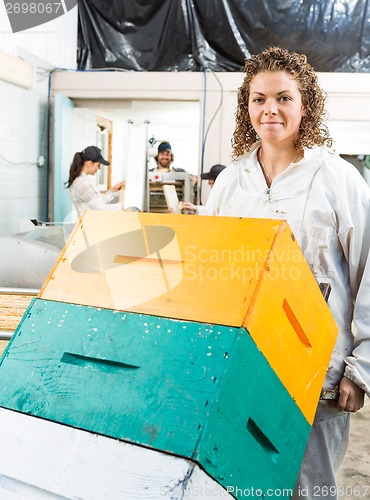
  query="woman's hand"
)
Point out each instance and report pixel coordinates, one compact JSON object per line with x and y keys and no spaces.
{"x":189,"y":206}
{"x":117,"y":187}
{"x":351,"y":396}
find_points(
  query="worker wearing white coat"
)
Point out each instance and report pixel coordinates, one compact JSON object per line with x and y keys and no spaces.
{"x":83,"y":195}
{"x":283,"y":168}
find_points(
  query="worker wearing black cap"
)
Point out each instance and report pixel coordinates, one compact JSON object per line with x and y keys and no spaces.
{"x":83,"y":194}
{"x":164,"y":157}
{"x":211,"y":176}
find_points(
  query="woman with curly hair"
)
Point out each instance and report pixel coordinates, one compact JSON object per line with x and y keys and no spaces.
{"x":283,"y":168}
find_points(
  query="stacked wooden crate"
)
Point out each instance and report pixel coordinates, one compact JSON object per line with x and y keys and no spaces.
{"x":199,"y":343}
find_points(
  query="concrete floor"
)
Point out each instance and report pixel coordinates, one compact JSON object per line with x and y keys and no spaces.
{"x":354,"y":473}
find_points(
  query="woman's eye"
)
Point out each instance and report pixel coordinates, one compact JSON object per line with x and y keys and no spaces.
{"x":285,"y":98}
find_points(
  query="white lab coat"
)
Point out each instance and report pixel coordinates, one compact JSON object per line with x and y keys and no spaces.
{"x":327,"y":205}
{"x":85,"y":196}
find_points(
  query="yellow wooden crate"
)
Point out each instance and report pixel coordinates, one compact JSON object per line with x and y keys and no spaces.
{"x":292,"y":325}
{"x":221,"y":270}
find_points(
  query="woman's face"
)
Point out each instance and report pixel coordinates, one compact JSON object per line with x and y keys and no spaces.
{"x":275,"y":107}
{"x":91,"y":167}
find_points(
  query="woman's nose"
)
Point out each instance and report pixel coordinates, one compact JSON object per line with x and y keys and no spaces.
{"x":271,"y":107}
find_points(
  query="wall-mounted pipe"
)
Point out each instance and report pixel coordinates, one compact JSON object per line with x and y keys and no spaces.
{"x":18,"y":291}
{"x":6,"y":334}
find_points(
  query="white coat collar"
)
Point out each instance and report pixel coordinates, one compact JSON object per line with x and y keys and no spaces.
{"x":300,"y":174}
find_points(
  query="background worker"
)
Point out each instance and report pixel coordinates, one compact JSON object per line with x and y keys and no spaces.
{"x":83,"y":194}
{"x":211,"y":176}
{"x":164,"y":159}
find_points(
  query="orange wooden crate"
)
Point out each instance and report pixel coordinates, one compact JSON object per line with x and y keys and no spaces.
{"x":221,"y":270}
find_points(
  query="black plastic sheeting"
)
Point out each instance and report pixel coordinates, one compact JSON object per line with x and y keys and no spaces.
{"x":196,"y":35}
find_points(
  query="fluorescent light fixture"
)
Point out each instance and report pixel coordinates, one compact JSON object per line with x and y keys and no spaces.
{"x":14,"y":70}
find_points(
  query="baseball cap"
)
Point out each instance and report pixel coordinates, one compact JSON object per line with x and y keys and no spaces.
{"x":164,"y":146}
{"x":213,"y":173}
{"x":93,"y":153}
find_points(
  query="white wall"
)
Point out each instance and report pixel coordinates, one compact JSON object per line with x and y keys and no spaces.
{"x":23,"y":137}
{"x":84,"y":128}
{"x":348,"y":105}
{"x":24,"y":116}
{"x":54,"y":42}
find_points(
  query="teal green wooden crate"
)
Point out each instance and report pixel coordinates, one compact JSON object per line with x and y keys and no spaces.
{"x":200,"y":391}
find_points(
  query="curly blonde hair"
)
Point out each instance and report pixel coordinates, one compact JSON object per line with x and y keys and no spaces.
{"x":312,"y":130}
